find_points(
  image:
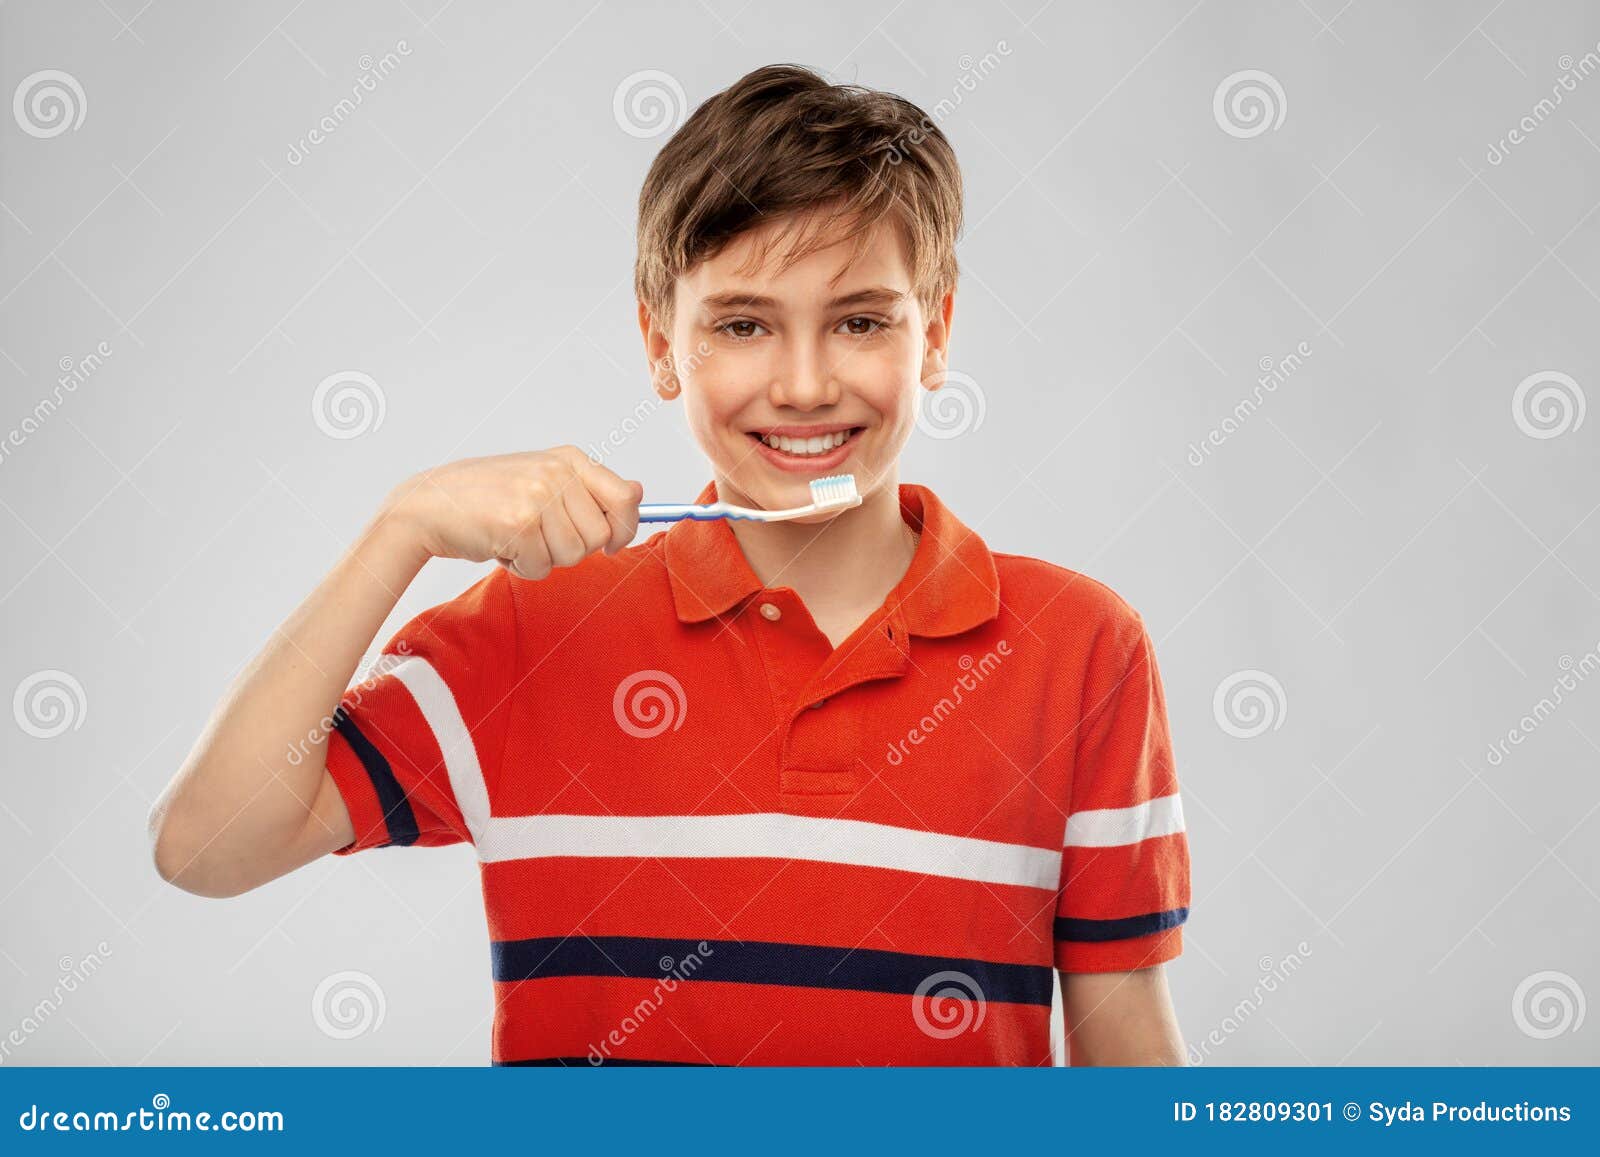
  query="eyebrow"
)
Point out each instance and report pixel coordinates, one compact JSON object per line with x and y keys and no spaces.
{"x":876,"y":295}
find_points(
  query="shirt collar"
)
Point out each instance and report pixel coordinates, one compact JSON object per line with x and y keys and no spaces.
{"x":951,"y":585}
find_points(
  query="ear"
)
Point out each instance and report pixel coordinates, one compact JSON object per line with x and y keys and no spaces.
{"x":936,"y":342}
{"x":658,"y":352}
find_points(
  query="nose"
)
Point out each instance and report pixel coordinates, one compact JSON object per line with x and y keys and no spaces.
{"x":803,"y":379}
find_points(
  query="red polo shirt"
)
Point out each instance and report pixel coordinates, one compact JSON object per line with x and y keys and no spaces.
{"x":707,"y":836}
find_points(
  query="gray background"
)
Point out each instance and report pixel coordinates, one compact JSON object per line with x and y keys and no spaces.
{"x":1383,"y":537}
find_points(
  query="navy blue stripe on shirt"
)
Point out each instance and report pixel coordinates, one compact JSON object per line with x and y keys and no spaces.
{"x":1096,"y":931}
{"x":764,"y":962}
{"x":397,"y":814}
{"x":586,"y":1063}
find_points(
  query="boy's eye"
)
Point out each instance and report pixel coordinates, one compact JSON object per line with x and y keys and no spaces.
{"x":862,"y":326}
{"x":740,"y":328}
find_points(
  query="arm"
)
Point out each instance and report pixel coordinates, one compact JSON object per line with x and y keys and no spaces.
{"x":1121,"y":1018}
{"x":254,"y":799}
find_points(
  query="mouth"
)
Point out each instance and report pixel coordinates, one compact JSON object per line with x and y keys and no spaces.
{"x":806,"y":448}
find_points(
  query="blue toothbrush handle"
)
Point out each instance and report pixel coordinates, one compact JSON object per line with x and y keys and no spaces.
{"x":674,"y":511}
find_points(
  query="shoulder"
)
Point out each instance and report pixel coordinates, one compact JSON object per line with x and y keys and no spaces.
{"x":1060,"y":598}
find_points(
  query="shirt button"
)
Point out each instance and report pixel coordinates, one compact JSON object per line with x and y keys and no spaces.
{"x":771,"y":613}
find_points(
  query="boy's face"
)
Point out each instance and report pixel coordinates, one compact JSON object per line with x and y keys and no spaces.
{"x":792,"y":376}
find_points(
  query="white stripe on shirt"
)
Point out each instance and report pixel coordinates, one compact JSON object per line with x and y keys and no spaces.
{"x":776,"y":835}
{"x":1116,"y":826}
{"x":438,"y":706}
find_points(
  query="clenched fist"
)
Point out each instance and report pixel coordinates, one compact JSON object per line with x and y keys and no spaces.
{"x":530,"y":512}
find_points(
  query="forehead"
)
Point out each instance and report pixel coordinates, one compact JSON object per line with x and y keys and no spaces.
{"x":755,"y":261}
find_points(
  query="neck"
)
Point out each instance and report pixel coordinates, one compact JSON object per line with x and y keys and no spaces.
{"x":842,"y":568}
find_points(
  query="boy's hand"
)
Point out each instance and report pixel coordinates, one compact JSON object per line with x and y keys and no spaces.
{"x":531,"y":512}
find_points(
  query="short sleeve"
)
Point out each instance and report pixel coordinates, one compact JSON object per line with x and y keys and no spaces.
{"x":1125,"y":865}
{"x":414,"y":745}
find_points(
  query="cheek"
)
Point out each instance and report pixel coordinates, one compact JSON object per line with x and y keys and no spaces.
{"x":717,"y":383}
{"x":887,"y":379}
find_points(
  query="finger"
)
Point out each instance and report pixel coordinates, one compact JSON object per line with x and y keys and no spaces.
{"x":561,"y":537}
{"x":618,"y":499}
{"x":586,"y":516}
{"x":530,"y":558}
{"x":610,"y":489}
{"x":625,"y":518}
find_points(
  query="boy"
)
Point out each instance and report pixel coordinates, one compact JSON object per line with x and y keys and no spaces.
{"x":842,"y":790}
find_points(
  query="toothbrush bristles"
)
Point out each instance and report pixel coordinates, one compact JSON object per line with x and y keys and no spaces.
{"x":836,"y":490}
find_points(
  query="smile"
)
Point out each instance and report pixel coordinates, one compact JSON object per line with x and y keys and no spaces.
{"x":819,"y":444}
{"x":793,"y":451}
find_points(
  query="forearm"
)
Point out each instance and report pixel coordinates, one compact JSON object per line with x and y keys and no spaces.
{"x":229,"y":820}
{"x":1121,"y":1018}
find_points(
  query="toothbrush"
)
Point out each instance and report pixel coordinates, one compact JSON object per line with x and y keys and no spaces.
{"x":836,"y":492}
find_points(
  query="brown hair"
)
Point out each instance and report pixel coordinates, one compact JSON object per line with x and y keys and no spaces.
{"x":783,"y":139}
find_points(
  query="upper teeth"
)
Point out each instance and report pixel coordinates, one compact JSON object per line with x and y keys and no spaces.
{"x":817,"y":445}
